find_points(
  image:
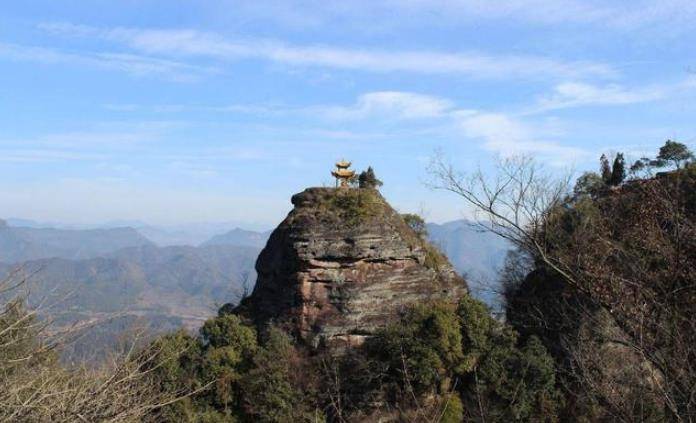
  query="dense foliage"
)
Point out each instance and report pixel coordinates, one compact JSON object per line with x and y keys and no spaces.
{"x":439,"y":360}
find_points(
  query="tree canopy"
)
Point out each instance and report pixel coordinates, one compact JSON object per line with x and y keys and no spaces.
{"x":367,"y":179}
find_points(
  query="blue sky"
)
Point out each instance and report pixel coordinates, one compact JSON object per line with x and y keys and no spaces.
{"x":183,"y":111}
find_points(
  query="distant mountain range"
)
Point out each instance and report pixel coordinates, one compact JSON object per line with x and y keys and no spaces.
{"x":186,"y":282}
{"x":162,"y":235}
{"x":161,"y":288}
{"x":240,"y":237}
{"x":93,"y":272}
{"x":19,"y":244}
{"x":475,"y":253}
{"x":472,"y":250}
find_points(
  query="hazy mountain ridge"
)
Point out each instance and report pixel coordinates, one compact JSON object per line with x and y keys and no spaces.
{"x":471,"y":249}
{"x":194,"y":233}
{"x":147,"y":286}
{"x":240,"y":236}
{"x":19,"y":244}
{"x":119,"y":269}
{"x":184,"y":279}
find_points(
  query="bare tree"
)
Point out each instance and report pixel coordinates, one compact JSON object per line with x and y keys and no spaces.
{"x":34,"y":386}
{"x":630,"y":254}
{"x":514,"y":203}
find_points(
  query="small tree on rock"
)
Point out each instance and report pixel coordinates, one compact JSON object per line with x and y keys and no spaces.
{"x":416,"y":223}
{"x":367,"y":179}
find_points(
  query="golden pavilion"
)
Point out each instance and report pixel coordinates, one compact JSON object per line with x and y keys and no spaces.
{"x":342,"y":174}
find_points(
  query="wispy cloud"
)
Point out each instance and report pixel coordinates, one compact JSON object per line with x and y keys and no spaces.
{"x":44,"y":156}
{"x":572,"y":94}
{"x":498,"y":132}
{"x":191,"y":43}
{"x":576,"y":94}
{"x":507,"y":135}
{"x":501,"y":133}
{"x":133,"y":64}
{"x":389,"y":104}
{"x":619,"y":14}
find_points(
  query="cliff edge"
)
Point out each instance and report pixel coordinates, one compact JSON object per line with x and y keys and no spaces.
{"x":342,"y":264}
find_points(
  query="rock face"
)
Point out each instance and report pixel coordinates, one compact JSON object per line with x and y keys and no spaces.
{"x":342,"y":264}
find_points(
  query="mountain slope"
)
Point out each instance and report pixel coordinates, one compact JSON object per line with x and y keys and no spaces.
{"x":18,"y":244}
{"x":180,"y":281}
{"x":242,"y":237}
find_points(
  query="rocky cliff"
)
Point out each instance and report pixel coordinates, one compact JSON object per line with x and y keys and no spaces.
{"x":342,"y":264}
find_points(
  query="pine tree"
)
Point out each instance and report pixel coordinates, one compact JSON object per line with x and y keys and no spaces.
{"x":618,"y":170}
{"x":367,"y":179}
{"x":604,"y":169}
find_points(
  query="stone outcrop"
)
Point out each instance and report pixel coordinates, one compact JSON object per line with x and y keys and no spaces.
{"x":342,"y":264}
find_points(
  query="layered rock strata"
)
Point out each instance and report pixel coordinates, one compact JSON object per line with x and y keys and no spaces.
{"x":342,"y":264}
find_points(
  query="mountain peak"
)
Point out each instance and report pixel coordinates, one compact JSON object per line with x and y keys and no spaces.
{"x":341,"y":265}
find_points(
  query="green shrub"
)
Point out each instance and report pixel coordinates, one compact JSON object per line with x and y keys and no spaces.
{"x":416,"y":223}
{"x":506,"y":381}
{"x":419,"y":350}
{"x":454,"y":409}
{"x":271,"y":392}
{"x":229,"y":330}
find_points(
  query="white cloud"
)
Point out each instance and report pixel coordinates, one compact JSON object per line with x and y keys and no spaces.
{"x":380,"y":15}
{"x":389,"y":104}
{"x":577,"y":94}
{"x":182,"y":43}
{"x":508,"y":136}
{"x":377,"y":104}
{"x":500,"y":133}
{"x":573,"y":94}
{"x":133,"y":64}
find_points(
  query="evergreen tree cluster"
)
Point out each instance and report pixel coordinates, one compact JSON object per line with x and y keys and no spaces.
{"x":672,"y":153}
{"x":367,"y":179}
{"x":439,"y":362}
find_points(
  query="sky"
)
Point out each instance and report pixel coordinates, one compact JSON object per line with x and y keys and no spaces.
{"x":173,"y":111}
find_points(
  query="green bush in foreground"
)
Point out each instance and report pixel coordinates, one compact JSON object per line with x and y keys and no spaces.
{"x":440,"y":361}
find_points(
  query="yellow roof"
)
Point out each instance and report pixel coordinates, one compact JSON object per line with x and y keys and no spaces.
{"x":343,"y":173}
{"x":343,"y":164}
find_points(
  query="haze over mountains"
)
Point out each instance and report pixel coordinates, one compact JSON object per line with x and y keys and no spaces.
{"x":137,"y":273}
{"x":25,"y":243}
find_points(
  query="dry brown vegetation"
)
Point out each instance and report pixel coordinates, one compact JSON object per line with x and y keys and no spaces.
{"x":613,"y":290}
{"x":36,"y":387}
